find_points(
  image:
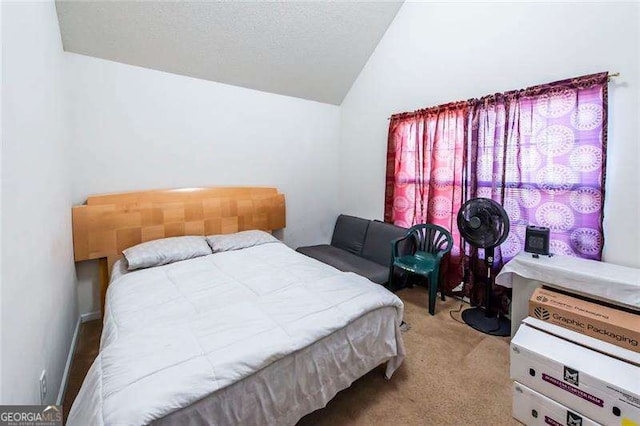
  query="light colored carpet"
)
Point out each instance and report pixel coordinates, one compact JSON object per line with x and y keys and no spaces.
{"x":452,"y":375}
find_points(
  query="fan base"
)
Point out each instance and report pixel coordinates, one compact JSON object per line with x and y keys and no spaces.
{"x":495,"y":326}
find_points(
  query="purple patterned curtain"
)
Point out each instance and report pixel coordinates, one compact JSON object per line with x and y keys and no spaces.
{"x":540,"y":152}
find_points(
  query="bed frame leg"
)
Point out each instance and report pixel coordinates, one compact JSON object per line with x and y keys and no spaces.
{"x":103,"y":272}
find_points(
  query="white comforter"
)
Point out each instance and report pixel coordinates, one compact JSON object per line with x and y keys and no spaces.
{"x":177,"y":333}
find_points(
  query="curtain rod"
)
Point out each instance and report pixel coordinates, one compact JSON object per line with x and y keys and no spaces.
{"x":609,"y":77}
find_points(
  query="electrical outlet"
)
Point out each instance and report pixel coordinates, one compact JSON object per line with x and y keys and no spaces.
{"x":43,"y":386}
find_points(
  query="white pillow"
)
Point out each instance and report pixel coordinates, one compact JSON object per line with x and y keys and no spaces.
{"x":164,"y":251}
{"x":240,"y":240}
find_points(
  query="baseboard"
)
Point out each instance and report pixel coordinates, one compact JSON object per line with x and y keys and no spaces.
{"x":67,"y":367}
{"x":90,"y":316}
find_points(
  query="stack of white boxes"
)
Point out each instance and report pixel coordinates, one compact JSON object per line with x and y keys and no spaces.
{"x":563,"y":377}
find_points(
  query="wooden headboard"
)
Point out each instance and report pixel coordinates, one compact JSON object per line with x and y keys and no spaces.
{"x":108,"y":224}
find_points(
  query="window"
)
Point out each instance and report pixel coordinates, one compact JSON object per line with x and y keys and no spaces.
{"x":540,"y":152}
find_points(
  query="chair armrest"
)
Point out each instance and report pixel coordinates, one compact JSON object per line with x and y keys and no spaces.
{"x":394,"y":246}
{"x":444,"y":252}
{"x":441,"y":254}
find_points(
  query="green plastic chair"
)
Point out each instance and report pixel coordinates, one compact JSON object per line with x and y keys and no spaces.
{"x":430,"y":244}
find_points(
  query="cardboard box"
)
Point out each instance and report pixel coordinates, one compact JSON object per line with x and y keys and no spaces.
{"x":602,"y":388}
{"x":532,"y":408}
{"x":607,"y":324}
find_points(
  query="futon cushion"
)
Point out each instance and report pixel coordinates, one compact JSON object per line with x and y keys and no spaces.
{"x":349,"y":233}
{"x":347,"y":262}
{"x":377,"y":244}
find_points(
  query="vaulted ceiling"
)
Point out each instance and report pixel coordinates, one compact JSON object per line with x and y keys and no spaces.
{"x":312,"y":50}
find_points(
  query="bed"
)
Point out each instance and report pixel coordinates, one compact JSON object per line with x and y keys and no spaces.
{"x":256,"y":335}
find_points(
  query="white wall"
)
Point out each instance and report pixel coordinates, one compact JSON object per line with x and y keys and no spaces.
{"x":434,"y":53}
{"x":135,"y":128}
{"x":39,"y":306}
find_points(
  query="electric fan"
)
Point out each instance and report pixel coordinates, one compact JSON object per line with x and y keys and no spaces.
{"x":484,"y":224}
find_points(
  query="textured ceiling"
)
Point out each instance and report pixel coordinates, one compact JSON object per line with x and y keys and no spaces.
{"x":312,"y":50}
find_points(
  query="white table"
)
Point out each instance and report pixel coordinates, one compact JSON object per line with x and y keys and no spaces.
{"x":619,"y":285}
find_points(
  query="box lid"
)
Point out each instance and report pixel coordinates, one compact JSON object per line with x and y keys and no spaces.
{"x":584,"y":340}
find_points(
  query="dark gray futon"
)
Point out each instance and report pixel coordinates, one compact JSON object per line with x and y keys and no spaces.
{"x":359,"y":245}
